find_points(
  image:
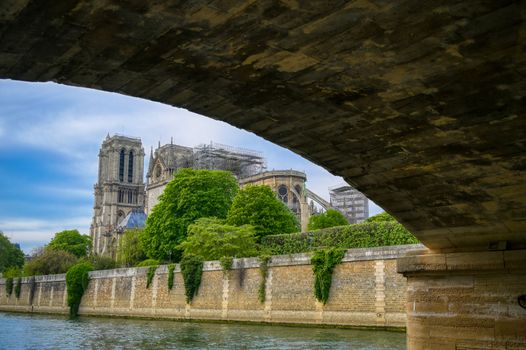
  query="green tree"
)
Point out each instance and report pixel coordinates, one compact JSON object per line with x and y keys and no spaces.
{"x":212,"y":239}
{"x":330,"y":218}
{"x":71,"y":241}
{"x":259,"y":207}
{"x":48,"y":262}
{"x":192,"y":194}
{"x":130,"y":251}
{"x":10,"y":254}
{"x":381,"y":218}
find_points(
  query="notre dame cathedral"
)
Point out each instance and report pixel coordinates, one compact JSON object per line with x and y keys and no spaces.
{"x":123,"y":199}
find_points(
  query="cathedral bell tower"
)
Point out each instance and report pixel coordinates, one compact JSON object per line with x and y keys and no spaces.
{"x":119,"y":190}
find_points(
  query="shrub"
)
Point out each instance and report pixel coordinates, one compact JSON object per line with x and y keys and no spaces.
{"x":373,"y":234}
{"x":77,"y":279}
{"x":382,"y":217}
{"x":323,"y":263}
{"x":226,"y":263}
{"x":148,"y":262}
{"x":101,"y":262}
{"x":192,"y":269}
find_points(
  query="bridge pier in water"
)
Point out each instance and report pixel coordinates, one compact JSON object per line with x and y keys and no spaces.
{"x":466,"y":300}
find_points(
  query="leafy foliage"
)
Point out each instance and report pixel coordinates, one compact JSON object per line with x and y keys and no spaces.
{"x":263,"y":270}
{"x":100,"y":262}
{"x":18,"y":287}
{"x":72,"y":242}
{"x":150,"y":275}
{"x":10,"y":254}
{"x":330,"y":218}
{"x":212,"y":239}
{"x":48,"y":262}
{"x":13,"y":272}
{"x":382,"y":217}
{"x":130,"y":251}
{"x":171,"y":269}
{"x":226,"y":263}
{"x":192,"y":269}
{"x":9,"y":286}
{"x":323,"y":263}
{"x":192,"y":194}
{"x":259,"y":207}
{"x":148,"y":262}
{"x":77,"y":279}
{"x":373,"y":234}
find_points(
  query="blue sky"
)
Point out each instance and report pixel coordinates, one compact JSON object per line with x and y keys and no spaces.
{"x":50,"y":135}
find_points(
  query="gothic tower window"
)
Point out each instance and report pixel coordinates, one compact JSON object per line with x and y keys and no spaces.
{"x":282,"y":193}
{"x":130,"y":167}
{"x":121,"y":166}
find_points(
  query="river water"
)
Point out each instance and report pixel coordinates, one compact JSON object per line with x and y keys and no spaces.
{"x":23,"y":331}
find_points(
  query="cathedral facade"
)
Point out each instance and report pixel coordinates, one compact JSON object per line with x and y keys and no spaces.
{"x":119,"y":191}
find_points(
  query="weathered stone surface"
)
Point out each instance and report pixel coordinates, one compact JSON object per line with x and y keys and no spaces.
{"x":365,"y":292}
{"x":420,"y":105}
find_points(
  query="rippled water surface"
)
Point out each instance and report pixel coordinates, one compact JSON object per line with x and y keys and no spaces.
{"x":20,"y":331}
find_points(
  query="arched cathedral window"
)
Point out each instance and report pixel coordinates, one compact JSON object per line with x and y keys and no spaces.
{"x":121,"y":166}
{"x":130,"y":167}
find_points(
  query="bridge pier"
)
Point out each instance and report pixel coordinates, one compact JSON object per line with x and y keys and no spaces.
{"x":465,"y":301}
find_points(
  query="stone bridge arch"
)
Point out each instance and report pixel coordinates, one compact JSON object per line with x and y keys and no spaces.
{"x":418,"y":105}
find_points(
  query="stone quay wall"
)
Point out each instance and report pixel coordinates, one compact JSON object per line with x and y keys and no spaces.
{"x":366,"y":292}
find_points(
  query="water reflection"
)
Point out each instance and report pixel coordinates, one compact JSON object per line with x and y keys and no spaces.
{"x":19,"y":331}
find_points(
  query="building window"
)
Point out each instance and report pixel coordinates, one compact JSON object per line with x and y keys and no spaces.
{"x":282,"y":193}
{"x":121,"y":166}
{"x":130,"y":167}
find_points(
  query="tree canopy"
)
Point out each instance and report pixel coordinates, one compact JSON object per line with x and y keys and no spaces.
{"x":330,"y":218}
{"x":192,"y":194}
{"x":71,"y":241}
{"x":212,"y":239}
{"x":130,"y":251}
{"x":10,"y":254}
{"x":258,"y":206}
{"x":49,"y":262}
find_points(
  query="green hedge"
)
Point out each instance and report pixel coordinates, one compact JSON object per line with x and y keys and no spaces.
{"x":367,"y":234}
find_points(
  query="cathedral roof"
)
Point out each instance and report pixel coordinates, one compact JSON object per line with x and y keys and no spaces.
{"x":135,"y":219}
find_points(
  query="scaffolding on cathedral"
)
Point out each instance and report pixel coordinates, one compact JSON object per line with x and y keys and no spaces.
{"x":241,"y":162}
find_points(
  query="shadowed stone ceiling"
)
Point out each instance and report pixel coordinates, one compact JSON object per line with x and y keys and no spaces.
{"x":418,"y":104}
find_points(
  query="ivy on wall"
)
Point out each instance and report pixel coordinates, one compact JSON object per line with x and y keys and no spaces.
{"x":226,"y":264}
{"x":192,"y":269}
{"x":77,"y":279}
{"x":323,"y":263}
{"x":171,"y":269}
{"x":9,"y":286}
{"x":18,"y":287}
{"x":32,"y":286}
{"x":150,"y":275}
{"x":263,"y":270}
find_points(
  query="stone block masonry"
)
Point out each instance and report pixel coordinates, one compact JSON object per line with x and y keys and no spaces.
{"x":366,"y":292}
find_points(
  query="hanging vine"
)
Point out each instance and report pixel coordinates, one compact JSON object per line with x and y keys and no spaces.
{"x":323,"y":263}
{"x":9,"y":286}
{"x":150,"y":275}
{"x":192,"y":269}
{"x":77,"y":279}
{"x":263,"y":270}
{"x":18,"y":287}
{"x":226,"y":264}
{"x":171,"y":269}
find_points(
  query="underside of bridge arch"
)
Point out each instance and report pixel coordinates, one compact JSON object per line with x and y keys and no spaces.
{"x":418,"y":104}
